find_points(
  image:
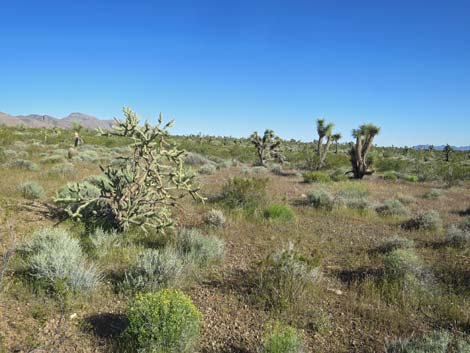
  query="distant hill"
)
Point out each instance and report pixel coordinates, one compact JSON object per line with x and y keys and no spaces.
{"x":35,"y":120}
{"x":441,"y":147}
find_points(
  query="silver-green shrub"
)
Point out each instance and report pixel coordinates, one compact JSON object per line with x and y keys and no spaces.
{"x":31,"y":190}
{"x":321,"y":199}
{"x":396,"y":242}
{"x":458,"y":237}
{"x":25,"y":164}
{"x":207,"y":169}
{"x":199,"y":249}
{"x":433,"y":194}
{"x":62,"y":170}
{"x":215,"y":218}
{"x":103,"y":242}
{"x":430,"y":220}
{"x":52,"y":255}
{"x":436,"y":342}
{"x":155,"y":269}
{"x":392,"y":208}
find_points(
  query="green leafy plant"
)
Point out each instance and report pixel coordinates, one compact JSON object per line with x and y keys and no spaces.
{"x":243,"y":193}
{"x":141,"y":191}
{"x":279,"y":211}
{"x":282,"y":339}
{"x":316,"y":177}
{"x":320,"y":199}
{"x":162,"y":322}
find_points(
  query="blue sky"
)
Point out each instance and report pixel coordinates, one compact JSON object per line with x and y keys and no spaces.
{"x":232,"y":67}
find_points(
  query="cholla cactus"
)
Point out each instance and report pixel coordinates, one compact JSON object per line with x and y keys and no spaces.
{"x":267,"y":147}
{"x":141,"y":190}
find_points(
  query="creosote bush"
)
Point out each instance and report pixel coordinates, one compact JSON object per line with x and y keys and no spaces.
{"x":162,"y":322}
{"x":285,"y":278}
{"x":52,"y":255}
{"x":31,"y":190}
{"x":198,"y":249}
{"x":316,"y":177}
{"x":243,"y":193}
{"x":279,"y":211}
{"x":320,"y":199}
{"x":282,"y":339}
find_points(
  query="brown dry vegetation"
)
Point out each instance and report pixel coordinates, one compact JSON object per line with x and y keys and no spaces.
{"x":343,"y":312}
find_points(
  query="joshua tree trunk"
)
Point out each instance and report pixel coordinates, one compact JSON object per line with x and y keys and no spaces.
{"x":358,"y":153}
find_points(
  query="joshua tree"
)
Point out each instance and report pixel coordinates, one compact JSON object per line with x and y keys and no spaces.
{"x":447,"y":150}
{"x":322,"y":149}
{"x":358,"y":152}
{"x":267,"y":147}
{"x":140,"y":191}
{"x":336,"y":138}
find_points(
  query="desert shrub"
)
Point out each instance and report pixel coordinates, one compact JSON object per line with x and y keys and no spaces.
{"x":87,"y":156}
{"x":225,"y":163}
{"x":430,"y":220}
{"x":411,"y":178}
{"x":285,"y":277}
{"x":401,"y":262}
{"x":276,"y":170}
{"x":31,"y":190}
{"x":192,"y":158}
{"x":53,"y":159}
{"x":199,"y":249}
{"x":3,"y":155}
{"x":396,"y":242}
{"x":316,"y":177}
{"x":282,"y":339}
{"x":433,"y":194}
{"x":215,"y":218}
{"x":25,"y":164}
{"x":96,"y":180}
{"x":62,"y":169}
{"x":52,"y":255}
{"x":279,"y":211}
{"x":390,"y":175}
{"x":247,"y":193}
{"x":154,"y":269}
{"x":162,"y":322}
{"x":84,"y":188}
{"x":103,"y":242}
{"x":405,"y":199}
{"x":353,"y":197}
{"x":458,"y":237}
{"x":320,"y":199}
{"x":436,"y":342}
{"x":207,"y":169}
{"x":392,"y":208}
{"x":339,"y":175}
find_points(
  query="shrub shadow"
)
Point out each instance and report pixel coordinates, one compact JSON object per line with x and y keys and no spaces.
{"x":107,"y":325}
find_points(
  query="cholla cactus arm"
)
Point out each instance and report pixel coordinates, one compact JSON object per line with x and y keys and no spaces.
{"x":143,"y":191}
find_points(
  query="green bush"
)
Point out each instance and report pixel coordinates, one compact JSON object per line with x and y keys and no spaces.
{"x":162,"y":322}
{"x":207,"y":169}
{"x":279,"y":211}
{"x":31,"y":190}
{"x":244,"y":193}
{"x":316,"y":177}
{"x":339,"y":175}
{"x":396,"y":242}
{"x":401,"y":262}
{"x":390,"y":175}
{"x":53,"y":159}
{"x":436,"y":342}
{"x":25,"y":164}
{"x":52,"y":255}
{"x":412,"y":178}
{"x":154,"y":270}
{"x":62,"y":169}
{"x":199,"y":249}
{"x":429,"y":220}
{"x":320,"y":199}
{"x":282,"y":339}
{"x":433,"y":194}
{"x":458,"y":237}
{"x":392,"y":208}
{"x":353,"y":197}
{"x":284,"y":278}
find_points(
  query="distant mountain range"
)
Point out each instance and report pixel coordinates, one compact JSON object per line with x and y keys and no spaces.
{"x":441,"y":147}
{"x":35,"y":120}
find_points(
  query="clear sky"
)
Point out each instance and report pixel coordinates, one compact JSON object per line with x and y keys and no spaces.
{"x":232,"y":67}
